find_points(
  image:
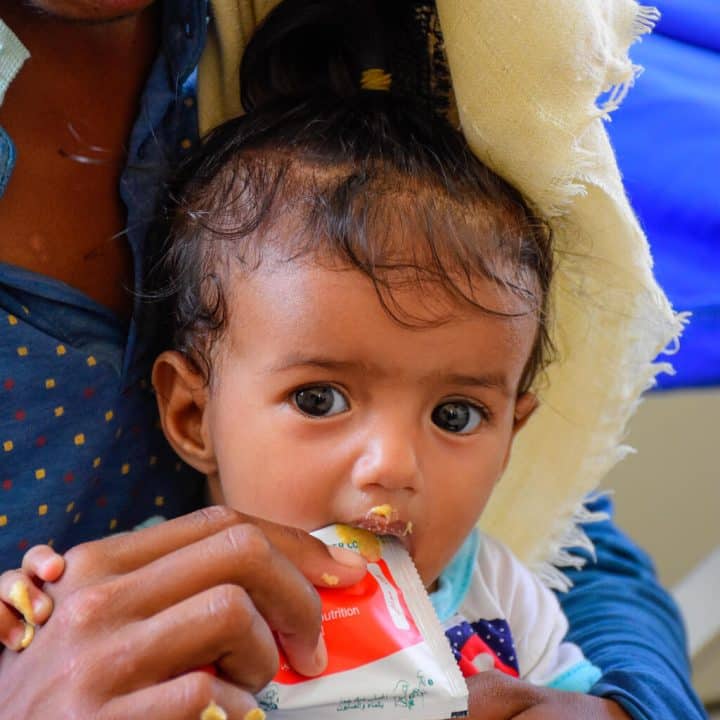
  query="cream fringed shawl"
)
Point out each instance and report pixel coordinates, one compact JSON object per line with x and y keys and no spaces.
{"x":527,"y":75}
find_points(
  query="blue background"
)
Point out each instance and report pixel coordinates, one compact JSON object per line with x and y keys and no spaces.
{"x":667,"y":138}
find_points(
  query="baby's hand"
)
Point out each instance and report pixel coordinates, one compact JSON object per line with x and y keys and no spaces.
{"x":23,"y":605}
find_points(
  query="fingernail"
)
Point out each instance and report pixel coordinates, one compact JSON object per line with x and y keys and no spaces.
{"x":40,"y":606}
{"x":347,"y":557}
{"x":320,"y":656}
{"x":49,"y":568}
{"x":254,"y":714}
{"x":15,"y":639}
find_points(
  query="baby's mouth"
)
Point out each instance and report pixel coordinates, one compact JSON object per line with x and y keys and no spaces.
{"x":386,"y":520}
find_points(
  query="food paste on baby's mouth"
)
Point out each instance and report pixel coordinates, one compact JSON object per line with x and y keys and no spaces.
{"x":368,"y":545}
{"x":330,"y":579}
{"x":384,"y":511}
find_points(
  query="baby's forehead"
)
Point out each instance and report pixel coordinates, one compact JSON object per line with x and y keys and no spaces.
{"x":316,"y":310}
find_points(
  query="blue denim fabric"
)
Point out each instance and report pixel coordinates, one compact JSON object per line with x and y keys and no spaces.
{"x":7,"y":159}
{"x":81,"y":452}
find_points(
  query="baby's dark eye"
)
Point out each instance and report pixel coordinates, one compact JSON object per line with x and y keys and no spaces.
{"x":320,"y":401}
{"x":457,"y":416}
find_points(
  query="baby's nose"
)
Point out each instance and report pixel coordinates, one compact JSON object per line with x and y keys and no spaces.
{"x":388,"y":459}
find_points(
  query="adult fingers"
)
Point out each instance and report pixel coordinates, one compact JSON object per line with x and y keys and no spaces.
{"x":322,"y":565}
{"x":21,"y":593}
{"x":123,"y":553}
{"x":226,"y":630}
{"x":42,"y":562}
{"x":240,"y":556}
{"x":189,"y":697}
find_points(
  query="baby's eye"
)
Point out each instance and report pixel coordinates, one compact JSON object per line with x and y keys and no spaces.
{"x":320,"y":401}
{"x":457,"y":416}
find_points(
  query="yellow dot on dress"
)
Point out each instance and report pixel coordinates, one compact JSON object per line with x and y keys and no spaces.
{"x":59,"y":410}
{"x":79,"y":439}
{"x":96,"y":462}
{"x":186,"y":143}
{"x":125,"y":469}
{"x":25,"y":309}
{"x":42,"y":509}
{"x":70,"y":506}
{"x":113,"y":524}
{"x":51,"y":542}
{"x":40,"y":474}
{"x":159,"y":501}
{"x":109,"y":415}
{"x":8,"y":445}
{"x":3,"y":520}
{"x":60,"y":349}
{"x":12,"y":320}
{"x":153,"y":460}
{"x":91,"y":361}
{"x":50,"y":383}
{"x":77,"y":517}
{"x":22,"y":351}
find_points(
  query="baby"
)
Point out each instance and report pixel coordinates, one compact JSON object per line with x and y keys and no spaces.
{"x":358,"y":312}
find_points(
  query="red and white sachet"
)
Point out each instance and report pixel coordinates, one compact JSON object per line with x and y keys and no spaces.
{"x":388,"y":655}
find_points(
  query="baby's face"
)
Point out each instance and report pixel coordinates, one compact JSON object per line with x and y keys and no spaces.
{"x":323,"y":407}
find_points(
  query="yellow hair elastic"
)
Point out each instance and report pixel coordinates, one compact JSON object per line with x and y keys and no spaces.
{"x":375,"y":79}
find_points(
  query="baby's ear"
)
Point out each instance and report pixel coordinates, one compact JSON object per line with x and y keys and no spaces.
{"x":525,"y":406}
{"x":182,"y":394}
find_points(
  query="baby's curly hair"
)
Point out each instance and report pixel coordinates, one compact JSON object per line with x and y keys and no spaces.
{"x":371,"y":180}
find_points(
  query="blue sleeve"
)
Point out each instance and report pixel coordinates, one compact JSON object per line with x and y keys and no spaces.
{"x":630,"y":627}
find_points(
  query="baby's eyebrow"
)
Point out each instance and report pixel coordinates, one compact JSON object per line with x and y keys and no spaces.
{"x":326,"y":363}
{"x":491,"y":380}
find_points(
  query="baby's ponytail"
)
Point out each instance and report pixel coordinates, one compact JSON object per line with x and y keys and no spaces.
{"x":345,"y":140}
{"x":346,"y":49}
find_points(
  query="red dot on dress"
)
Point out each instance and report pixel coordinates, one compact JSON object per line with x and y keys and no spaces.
{"x":20,"y":415}
{"x":9,"y":384}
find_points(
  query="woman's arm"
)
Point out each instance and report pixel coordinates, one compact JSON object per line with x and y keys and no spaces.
{"x":629,"y":626}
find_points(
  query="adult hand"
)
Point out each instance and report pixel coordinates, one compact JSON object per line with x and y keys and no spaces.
{"x":136,"y":613}
{"x":496,"y":696}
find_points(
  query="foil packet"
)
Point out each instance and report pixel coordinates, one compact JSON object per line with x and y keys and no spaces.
{"x":388,"y":654}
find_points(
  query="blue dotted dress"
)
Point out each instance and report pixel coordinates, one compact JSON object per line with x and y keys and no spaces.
{"x":81,"y":451}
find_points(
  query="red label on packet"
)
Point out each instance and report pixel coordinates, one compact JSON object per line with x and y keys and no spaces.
{"x":388,"y":657}
{"x":361,"y":624}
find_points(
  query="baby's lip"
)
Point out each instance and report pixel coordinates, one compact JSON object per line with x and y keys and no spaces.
{"x":386,"y":524}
